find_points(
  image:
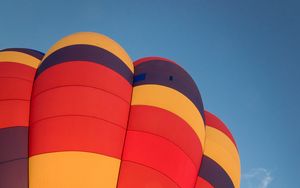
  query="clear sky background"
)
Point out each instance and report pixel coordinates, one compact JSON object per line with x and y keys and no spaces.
{"x":244,"y":56}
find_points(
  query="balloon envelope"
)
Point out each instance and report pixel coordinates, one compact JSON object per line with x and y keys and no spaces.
{"x":84,"y":115}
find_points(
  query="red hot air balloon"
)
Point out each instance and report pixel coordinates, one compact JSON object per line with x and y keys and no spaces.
{"x":17,"y":70}
{"x":220,"y":165}
{"x":165,"y":133}
{"x":79,"y":113}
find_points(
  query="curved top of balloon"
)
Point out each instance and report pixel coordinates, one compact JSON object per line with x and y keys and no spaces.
{"x":85,"y":115}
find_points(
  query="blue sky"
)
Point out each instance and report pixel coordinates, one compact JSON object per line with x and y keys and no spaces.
{"x":244,"y":56}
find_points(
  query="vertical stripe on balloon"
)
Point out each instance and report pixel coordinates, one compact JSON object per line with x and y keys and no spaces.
{"x":165,"y":135}
{"x":220,"y":164}
{"x":79,"y":113}
{"x":17,"y":70}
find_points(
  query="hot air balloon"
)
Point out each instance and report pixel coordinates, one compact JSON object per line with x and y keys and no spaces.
{"x":165,"y":134}
{"x":79,"y":111}
{"x":220,"y":166}
{"x":17,"y":71}
{"x":84,"y":115}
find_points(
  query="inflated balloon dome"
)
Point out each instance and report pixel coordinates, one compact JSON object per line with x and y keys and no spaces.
{"x":84,"y":115}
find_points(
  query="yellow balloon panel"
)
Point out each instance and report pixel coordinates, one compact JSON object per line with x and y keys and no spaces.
{"x":72,"y":169}
{"x":19,"y":57}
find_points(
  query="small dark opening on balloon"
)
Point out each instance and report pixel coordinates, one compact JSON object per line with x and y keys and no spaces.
{"x":171,"y":78}
{"x":139,"y":77}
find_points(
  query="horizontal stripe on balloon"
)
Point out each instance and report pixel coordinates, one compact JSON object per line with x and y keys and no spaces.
{"x":93,"y":39}
{"x":81,"y":101}
{"x":137,"y":175}
{"x":15,"y":88}
{"x":167,"y":125}
{"x":162,"y":72}
{"x":17,"y":70}
{"x":19,"y":57}
{"x":34,"y":53}
{"x":222,"y":150}
{"x":212,"y":172}
{"x":14,"y":112}
{"x":86,"y":53}
{"x":160,"y":154}
{"x":14,"y":174}
{"x":73,"y":169}
{"x":86,"y":74}
{"x":202,"y":183}
{"x":170,"y":100}
{"x":215,"y":122}
{"x":147,"y":59}
{"x":76,"y":133}
{"x":13,"y":143}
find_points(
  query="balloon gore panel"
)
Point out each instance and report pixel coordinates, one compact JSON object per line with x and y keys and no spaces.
{"x":17,"y":70}
{"x":79,"y":113}
{"x":165,"y":130}
{"x":220,"y":163}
